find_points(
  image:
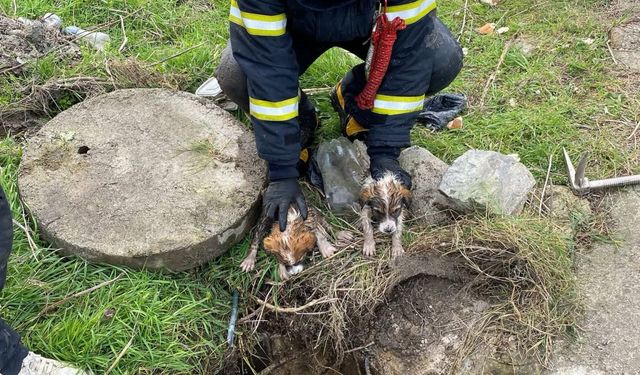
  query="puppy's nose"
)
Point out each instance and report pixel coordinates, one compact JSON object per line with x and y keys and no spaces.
{"x":387,"y":230}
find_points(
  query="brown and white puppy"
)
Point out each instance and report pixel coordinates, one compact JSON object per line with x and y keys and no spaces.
{"x":383,"y":204}
{"x":289,"y":247}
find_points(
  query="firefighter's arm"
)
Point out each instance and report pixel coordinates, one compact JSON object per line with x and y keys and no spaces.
{"x":263,"y":49}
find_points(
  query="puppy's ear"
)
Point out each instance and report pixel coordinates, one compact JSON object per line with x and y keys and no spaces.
{"x":302,"y":244}
{"x":406,"y":196}
{"x":366,"y":194}
{"x":270,"y":244}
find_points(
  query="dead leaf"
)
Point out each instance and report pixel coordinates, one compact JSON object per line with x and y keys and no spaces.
{"x":109,"y":313}
{"x":456,"y":123}
{"x":502,"y":30}
{"x":487,"y":29}
{"x":490,"y":2}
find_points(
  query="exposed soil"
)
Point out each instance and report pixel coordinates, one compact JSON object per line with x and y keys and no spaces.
{"x":429,"y":324}
{"x":23,"y":42}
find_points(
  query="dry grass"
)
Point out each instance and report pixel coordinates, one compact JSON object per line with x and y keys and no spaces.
{"x":523,"y":264}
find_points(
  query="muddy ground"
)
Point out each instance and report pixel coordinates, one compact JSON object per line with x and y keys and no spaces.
{"x":429,"y":323}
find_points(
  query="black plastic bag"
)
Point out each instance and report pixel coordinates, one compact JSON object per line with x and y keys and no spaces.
{"x":439,"y":110}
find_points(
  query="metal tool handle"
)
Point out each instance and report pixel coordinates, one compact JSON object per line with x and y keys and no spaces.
{"x":614,"y":182}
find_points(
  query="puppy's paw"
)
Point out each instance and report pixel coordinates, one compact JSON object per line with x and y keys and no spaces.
{"x":369,"y":248}
{"x":396,"y":251}
{"x":248,"y":264}
{"x":282,"y":271}
{"x":327,"y":250}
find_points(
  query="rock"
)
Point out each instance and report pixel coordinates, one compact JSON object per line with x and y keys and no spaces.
{"x":344,"y":167}
{"x":487,"y":181}
{"x":426,"y":172}
{"x":625,"y":43}
{"x":144,"y":178}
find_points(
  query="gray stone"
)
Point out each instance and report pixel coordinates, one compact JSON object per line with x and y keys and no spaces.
{"x":625,"y":43}
{"x":609,"y":282}
{"x":344,"y":168}
{"x":428,"y":203}
{"x":145,"y":178}
{"x":487,"y":181}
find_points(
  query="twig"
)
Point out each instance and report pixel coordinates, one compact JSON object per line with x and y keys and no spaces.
{"x":615,"y":61}
{"x":316,"y":90}
{"x":544,"y":188}
{"x":493,"y":76}
{"x":359,"y":348}
{"x":124,"y":35}
{"x":25,"y":229}
{"x":269,"y":369}
{"x":634,"y":131}
{"x":15,"y":8}
{"x":55,"y":305}
{"x":176,"y":55}
{"x":464,"y":19}
{"x":120,"y":355}
{"x":293,"y":310}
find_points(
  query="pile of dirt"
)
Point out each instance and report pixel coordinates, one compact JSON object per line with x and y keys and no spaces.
{"x":23,"y":42}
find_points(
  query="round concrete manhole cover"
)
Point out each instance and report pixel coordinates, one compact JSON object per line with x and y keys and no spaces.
{"x":145,"y":178}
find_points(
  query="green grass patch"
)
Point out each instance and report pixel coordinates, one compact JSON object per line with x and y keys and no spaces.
{"x":560,"y":95}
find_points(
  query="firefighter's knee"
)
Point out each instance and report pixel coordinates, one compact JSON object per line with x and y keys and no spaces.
{"x":448,"y":59}
{"x":232,"y":80}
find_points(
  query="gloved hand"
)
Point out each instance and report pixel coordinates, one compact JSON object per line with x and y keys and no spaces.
{"x":279,"y":195}
{"x":381,"y":164}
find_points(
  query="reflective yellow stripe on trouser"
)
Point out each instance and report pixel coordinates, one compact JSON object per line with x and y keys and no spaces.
{"x":258,"y":24}
{"x":353,"y":127}
{"x":274,"y":111}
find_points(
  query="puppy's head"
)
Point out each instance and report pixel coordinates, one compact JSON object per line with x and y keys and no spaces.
{"x":387,"y":199}
{"x":289,"y":247}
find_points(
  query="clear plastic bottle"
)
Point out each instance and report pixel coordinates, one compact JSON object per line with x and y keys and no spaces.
{"x":96,"y":39}
{"x":52,"y":20}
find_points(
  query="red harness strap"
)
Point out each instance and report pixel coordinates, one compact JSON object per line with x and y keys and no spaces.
{"x":383,"y":37}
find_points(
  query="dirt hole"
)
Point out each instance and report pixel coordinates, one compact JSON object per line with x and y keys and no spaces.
{"x":83,"y":150}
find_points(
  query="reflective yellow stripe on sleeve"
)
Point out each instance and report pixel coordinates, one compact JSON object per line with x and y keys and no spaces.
{"x":397,"y":105}
{"x":258,"y":24}
{"x":411,"y":12}
{"x":274,"y":111}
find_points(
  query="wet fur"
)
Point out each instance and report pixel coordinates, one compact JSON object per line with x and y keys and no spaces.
{"x":383,"y":204}
{"x":291,"y":246}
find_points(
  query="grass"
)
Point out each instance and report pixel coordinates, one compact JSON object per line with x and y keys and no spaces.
{"x":563,"y":92}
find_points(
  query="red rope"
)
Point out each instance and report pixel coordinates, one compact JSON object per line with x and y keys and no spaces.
{"x":382,"y":39}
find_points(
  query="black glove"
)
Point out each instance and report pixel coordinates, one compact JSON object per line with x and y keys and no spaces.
{"x":279,"y":196}
{"x":381,"y":164}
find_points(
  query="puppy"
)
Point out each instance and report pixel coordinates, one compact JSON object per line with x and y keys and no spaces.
{"x":289,"y":247}
{"x":383,"y":204}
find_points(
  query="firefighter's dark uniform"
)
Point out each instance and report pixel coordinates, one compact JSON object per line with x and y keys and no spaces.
{"x":275,"y":41}
{"x":12,"y":352}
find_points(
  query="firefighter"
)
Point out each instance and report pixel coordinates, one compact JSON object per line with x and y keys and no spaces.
{"x":273,"y":42}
